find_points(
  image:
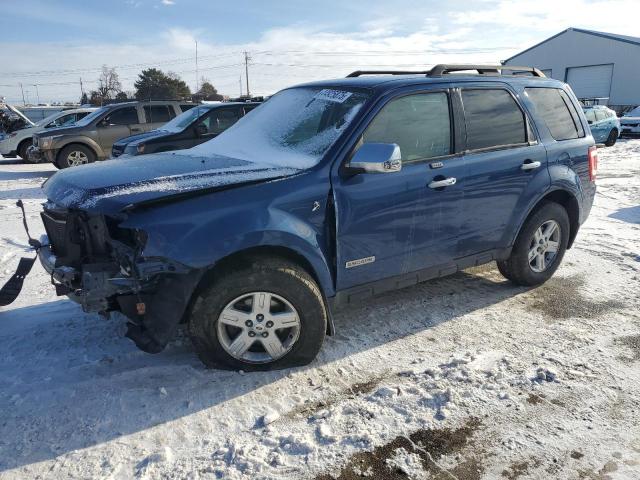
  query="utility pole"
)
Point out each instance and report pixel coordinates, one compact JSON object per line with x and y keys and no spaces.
{"x":22,"y":90}
{"x":197,"y":67}
{"x":240,"y":81}
{"x":246,"y":71}
{"x":81,"y":90}
{"x":37,"y":93}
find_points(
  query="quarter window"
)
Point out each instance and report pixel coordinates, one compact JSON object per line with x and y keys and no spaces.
{"x":158,"y":113}
{"x":493,"y":119}
{"x":420,"y":124}
{"x":558,"y":112}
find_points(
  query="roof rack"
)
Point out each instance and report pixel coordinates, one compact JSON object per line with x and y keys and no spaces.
{"x":445,"y":69}
{"x":359,"y":73}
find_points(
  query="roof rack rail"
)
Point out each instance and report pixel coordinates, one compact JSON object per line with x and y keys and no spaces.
{"x":359,"y":73}
{"x":445,"y":69}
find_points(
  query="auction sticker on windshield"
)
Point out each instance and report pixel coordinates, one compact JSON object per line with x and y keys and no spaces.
{"x":332,"y":95}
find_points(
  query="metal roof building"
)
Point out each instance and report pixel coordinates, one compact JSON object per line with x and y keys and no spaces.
{"x":595,"y":64}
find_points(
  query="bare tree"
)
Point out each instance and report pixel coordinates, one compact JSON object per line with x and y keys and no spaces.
{"x":108,"y":83}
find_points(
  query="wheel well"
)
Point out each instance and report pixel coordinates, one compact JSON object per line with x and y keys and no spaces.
{"x":76,"y":143}
{"x":570,"y":204}
{"x":254,"y":254}
{"x":22,"y":142}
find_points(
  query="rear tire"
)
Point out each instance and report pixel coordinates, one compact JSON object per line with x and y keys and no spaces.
{"x":75,"y":155}
{"x":536,"y":256}
{"x":22,"y":150}
{"x":228,"y":312}
{"x":612,"y":138}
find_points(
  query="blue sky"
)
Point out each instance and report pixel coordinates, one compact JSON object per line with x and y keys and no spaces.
{"x":53,"y":44}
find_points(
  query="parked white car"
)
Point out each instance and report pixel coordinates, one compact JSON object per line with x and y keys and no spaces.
{"x":18,"y":142}
{"x":630,"y":122}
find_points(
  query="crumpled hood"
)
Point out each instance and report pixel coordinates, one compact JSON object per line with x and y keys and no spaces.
{"x":108,"y":187}
{"x":133,"y":139}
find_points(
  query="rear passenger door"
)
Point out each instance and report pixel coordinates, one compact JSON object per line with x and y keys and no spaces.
{"x":506,"y":165}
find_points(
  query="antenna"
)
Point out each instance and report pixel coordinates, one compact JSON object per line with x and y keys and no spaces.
{"x":197,"y":89}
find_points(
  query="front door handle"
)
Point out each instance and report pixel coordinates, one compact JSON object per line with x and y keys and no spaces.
{"x":529,"y":165}
{"x":447,"y":182}
{"x":135,"y":129}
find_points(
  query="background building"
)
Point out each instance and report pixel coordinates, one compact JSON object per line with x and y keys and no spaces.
{"x":595,"y":64}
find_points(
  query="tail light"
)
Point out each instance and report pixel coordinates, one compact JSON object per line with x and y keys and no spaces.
{"x":593,"y":162}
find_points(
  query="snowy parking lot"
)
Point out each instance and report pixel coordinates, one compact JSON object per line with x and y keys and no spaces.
{"x":466,"y":377}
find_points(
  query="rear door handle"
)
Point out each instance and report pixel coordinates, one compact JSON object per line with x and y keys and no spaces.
{"x":529,"y":165}
{"x":447,"y":182}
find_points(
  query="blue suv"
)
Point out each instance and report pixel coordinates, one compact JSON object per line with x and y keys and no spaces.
{"x":603,"y":123}
{"x":329,"y":193}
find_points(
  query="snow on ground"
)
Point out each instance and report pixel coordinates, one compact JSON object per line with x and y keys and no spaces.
{"x":466,"y":377}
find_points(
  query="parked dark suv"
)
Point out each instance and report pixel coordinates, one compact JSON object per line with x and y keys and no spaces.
{"x":187,"y":130}
{"x":330,"y":192}
{"x":91,"y":138}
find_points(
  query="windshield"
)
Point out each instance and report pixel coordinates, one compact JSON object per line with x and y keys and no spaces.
{"x":294,"y":128}
{"x":633,"y":113}
{"x":91,"y":117}
{"x":184,"y":119}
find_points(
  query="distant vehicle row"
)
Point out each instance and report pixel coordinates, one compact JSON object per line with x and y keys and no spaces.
{"x":133,"y":128}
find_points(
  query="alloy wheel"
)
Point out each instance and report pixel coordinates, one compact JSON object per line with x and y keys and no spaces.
{"x":76,"y":158}
{"x":258,"y":327}
{"x":544,"y":246}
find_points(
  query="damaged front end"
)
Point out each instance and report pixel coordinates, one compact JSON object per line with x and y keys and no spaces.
{"x":102,"y":267}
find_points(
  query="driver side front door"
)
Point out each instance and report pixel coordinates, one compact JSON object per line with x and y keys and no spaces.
{"x":398,"y":224}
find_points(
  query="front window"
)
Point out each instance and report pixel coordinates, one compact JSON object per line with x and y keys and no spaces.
{"x":91,"y":117}
{"x":419,"y":124}
{"x":294,"y":128}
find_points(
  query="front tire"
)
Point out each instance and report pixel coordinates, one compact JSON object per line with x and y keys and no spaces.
{"x":539,"y":248}
{"x":612,"y":138}
{"x":265,"y":314}
{"x":22,"y":150}
{"x":74,"y":156}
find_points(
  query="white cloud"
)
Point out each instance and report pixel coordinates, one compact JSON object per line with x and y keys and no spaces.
{"x":305,"y":52}
{"x":168,"y":2}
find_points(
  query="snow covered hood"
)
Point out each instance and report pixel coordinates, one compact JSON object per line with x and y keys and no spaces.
{"x":110,"y":186}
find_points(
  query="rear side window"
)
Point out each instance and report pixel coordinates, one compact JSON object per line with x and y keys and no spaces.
{"x":419,"y":124}
{"x":493,"y":119}
{"x":158,"y":113}
{"x":187,"y":106}
{"x":122,"y":116}
{"x":558,"y":112}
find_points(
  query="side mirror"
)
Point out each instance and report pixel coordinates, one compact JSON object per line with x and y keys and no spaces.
{"x":590,"y":122}
{"x":377,"y":158}
{"x":200,"y":129}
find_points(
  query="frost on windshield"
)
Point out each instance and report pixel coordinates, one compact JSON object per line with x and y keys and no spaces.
{"x":295,"y":128}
